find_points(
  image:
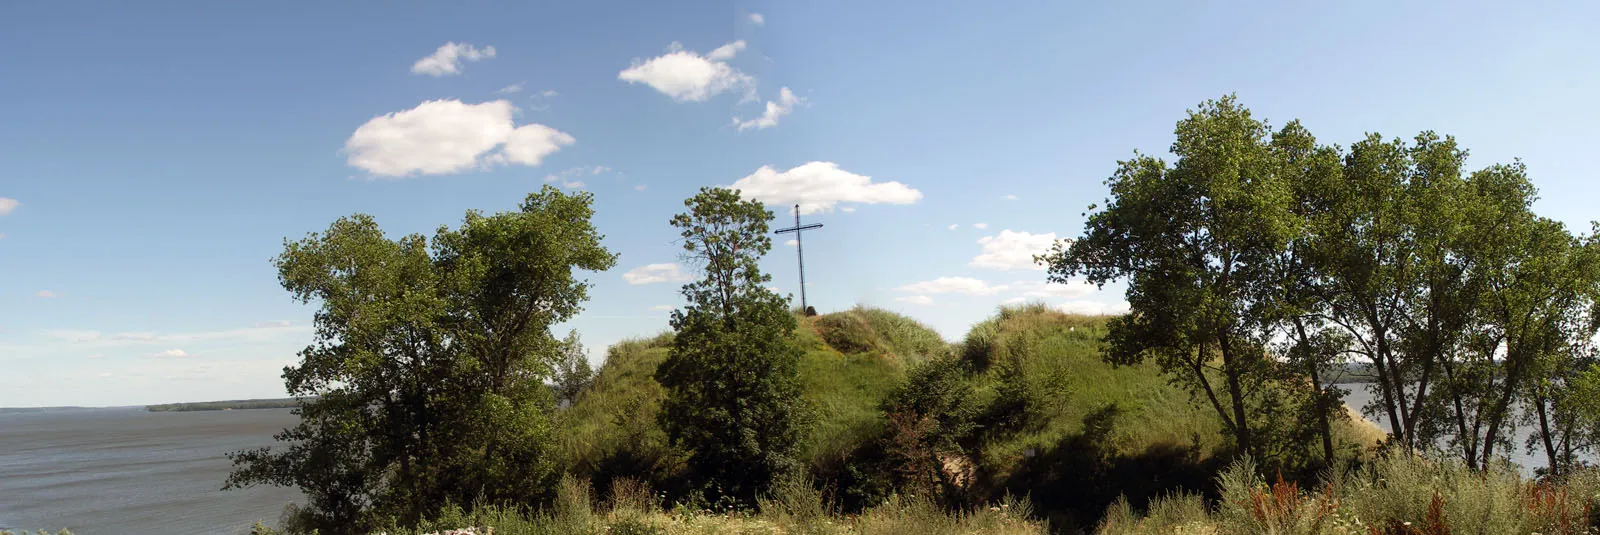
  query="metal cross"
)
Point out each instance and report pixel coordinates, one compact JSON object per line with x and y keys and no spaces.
{"x":801,"y":252}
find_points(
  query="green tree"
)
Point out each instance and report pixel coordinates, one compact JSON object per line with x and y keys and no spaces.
{"x":1193,"y":240}
{"x":733,"y":397}
{"x":573,"y":374}
{"x":429,"y":363}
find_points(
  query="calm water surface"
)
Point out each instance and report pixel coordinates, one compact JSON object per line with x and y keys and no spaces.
{"x":1359,"y":396}
{"x":126,"y":470}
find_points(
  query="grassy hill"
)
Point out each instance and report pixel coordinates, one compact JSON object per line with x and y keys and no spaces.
{"x":1092,"y":431}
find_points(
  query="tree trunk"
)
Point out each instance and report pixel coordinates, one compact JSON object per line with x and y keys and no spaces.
{"x":1241,"y":428}
{"x":1312,"y":363}
{"x":1544,"y":435}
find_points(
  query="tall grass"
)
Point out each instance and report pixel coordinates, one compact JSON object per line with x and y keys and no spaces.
{"x":1396,"y":494}
{"x":794,"y":507}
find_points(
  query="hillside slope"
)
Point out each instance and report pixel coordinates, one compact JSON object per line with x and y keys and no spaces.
{"x":1091,"y":431}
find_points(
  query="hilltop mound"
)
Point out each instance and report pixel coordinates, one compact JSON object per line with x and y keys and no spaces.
{"x":1086,"y":432}
{"x":877,"y":331}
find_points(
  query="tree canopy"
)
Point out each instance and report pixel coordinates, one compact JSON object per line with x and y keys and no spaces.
{"x":429,"y":363}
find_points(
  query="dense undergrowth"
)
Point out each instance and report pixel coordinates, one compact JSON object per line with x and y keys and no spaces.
{"x":1023,"y":406}
{"x":794,"y":507}
{"x":1392,"y":495}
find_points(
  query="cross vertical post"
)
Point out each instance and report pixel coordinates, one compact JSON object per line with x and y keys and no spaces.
{"x":800,"y":251}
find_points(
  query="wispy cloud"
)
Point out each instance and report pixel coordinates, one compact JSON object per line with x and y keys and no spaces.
{"x":8,"y":204}
{"x":447,"y":59}
{"x":656,"y":273}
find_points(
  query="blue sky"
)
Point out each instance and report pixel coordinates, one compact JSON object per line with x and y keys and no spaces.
{"x":157,"y":154}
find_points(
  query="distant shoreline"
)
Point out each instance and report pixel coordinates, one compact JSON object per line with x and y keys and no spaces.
{"x":227,"y":405}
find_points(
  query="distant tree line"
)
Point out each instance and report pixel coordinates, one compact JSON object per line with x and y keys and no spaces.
{"x":241,"y":404}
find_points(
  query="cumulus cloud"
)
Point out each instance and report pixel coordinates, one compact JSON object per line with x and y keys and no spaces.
{"x":952,"y":285}
{"x":47,"y":294}
{"x":447,"y":59}
{"x":757,"y":19}
{"x":792,"y":243}
{"x":449,"y":136}
{"x":819,"y":186}
{"x":953,"y":226}
{"x":1010,"y":197}
{"x":1012,"y":250}
{"x":655,"y":273}
{"x":170,"y":353}
{"x":687,"y":76}
{"x":980,"y":226}
{"x":921,"y":300}
{"x":8,"y":204}
{"x":775,"y":109}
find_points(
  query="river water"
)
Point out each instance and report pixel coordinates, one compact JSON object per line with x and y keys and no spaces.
{"x":126,"y":470}
{"x":1359,"y":396}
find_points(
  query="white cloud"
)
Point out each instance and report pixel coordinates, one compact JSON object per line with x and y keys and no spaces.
{"x":847,"y":209}
{"x":47,"y":294}
{"x":726,"y":52}
{"x":513,"y":88}
{"x":818,"y":186}
{"x":663,"y":308}
{"x":566,"y":177}
{"x":775,"y":109}
{"x":8,"y":204}
{"x":952,"y":285}
{"x":170,"y":353}
{"x":980,"y":226}
{"x":548,"y":93}
{"x":447,"y":59}
{"x":792,"y":243}
{"x":757,"y":19}
{"x":2,"y":235}
{"x":953,"y":226}
{"x":655,"y":273}
{"x":689,"y":77}
{"x":922,"y":300}
{"x":274,"y":324}
{"x":449,"y":136}
{"x":1012,"y":250}
{"x":1039,"y":289}
{"x":640,"y":187}
{"x":1092,"y":308}
{"x":1010,"y":197}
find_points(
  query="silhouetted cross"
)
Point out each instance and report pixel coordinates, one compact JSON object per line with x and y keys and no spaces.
{"x":796,"y":229}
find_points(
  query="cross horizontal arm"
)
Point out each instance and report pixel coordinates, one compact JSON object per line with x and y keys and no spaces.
{"x":796,"y":229}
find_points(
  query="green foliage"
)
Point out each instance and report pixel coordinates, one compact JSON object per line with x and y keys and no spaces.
{"x":1394,"y":494}
{"x":733,"y":399}
{"x":573,"y":374}
{"x":429,"y":363}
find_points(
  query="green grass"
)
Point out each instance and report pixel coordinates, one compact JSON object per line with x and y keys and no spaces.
{"x":794,"y":509}
{"x":1398,"y":494}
